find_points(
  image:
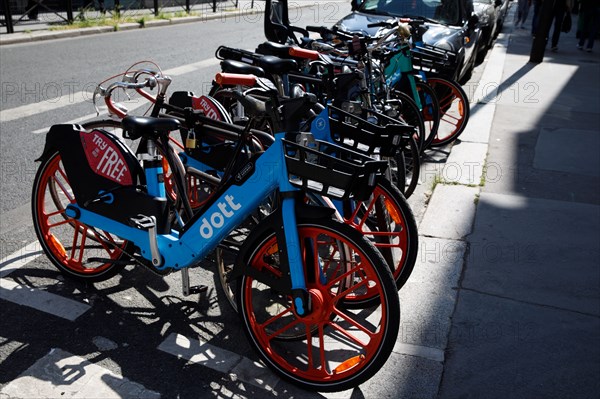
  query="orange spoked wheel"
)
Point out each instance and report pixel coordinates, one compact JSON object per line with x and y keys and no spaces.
{"x":454,"y":107}
{"x":388,"y":222}
{"x":430,"y":109}
{"x":335,"y":346}
{"x":73,"y":247}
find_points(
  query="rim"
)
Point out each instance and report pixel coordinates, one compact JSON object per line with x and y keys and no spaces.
{"x":452,"y":109}
{"x":383,"y":222}
{"x":333,"y":343}
{"x":70,"y":242}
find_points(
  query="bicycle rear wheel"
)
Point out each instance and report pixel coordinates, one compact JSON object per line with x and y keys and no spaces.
{"x":405,"y":167}
{"x":431,"y":112}
{"x":332,"y":348}
{"x":388,"y":222}
{"x":410,"y":113}
{"x":76,"y":249}
{"x":454,"y":107}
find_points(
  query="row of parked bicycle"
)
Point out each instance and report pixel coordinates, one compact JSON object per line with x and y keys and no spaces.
{"x":293,"y":172}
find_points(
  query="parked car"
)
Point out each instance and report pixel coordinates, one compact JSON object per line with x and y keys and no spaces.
{"x":502,"y":14}
{"x":488,"y":12}
{"x":452,"y":25}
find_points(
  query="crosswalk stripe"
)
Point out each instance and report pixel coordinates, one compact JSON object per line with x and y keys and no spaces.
{"x":61,"y":374}
{"x":19,"y":258}
{"x":41,"y":300}
{"x":238,"y":367}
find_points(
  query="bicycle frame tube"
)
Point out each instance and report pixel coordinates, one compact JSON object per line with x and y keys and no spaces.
{"x":207,"y":229}
{"x":401,"y":65}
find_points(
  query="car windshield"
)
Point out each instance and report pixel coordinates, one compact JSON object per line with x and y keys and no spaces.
{"x":442,"y":11}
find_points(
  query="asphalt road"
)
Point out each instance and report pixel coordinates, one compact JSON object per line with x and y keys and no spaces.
{"x":128,"y":325}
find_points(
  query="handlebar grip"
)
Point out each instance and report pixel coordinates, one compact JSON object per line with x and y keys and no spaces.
{"x":379,"y":24}
{"x":303,"y":53}
{"x":234,"y":79}
{"x":318,"y":29}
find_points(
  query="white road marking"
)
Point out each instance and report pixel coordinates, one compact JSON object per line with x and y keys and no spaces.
{"x":183,"y":69}
{"x":238,"y":367}
{"x":91,"y":117}
{"x":8,"y":115}
{"x":43,"y":106}
{"x":19,"y":258}
{"x":41,"y":300}
{"x":62,"y":374}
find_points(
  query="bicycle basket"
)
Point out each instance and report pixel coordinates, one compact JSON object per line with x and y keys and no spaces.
{"x":428,"y":58}
{"x":330,"y":170}
{"x":360,"y":135}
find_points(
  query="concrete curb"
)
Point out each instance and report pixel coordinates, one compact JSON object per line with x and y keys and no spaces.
{"x":20,"y":37}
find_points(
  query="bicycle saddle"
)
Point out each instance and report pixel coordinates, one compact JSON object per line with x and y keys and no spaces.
{"x":231,"y":66}
{"x":275,"y":65}
{"x":139,"y":126}
{"x":276,"y":49}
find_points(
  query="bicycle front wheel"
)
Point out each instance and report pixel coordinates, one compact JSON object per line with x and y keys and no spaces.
{"x":333,"y":348}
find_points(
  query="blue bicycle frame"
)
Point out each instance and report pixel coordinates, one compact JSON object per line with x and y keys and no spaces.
{"x":207,"y":229}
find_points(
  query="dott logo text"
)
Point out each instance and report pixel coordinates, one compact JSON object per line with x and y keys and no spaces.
{"x":217,"y":219}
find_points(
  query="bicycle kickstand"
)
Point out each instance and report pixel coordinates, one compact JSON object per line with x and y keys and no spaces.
{"x":185,"y":283}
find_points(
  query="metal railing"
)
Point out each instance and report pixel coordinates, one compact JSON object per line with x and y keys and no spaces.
{"x":32,"y":12}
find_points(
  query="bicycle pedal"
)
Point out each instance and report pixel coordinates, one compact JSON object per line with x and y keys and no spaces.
{"x":142,"y":222}
{"x":199,"y":289}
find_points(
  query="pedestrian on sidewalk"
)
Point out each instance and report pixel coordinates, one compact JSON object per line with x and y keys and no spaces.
{"x":537,"y":5}
{"x":561,"y":7}
{"x":589,"y":20}
{"x":521,"y":14}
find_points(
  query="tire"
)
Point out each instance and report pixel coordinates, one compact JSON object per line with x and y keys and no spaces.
{"x":405,"y":168}
{"x":388,"y":222}
{"x":331,"y":330}
{"x":76,"y":249}
{"x":411,"y":114}
{"x":455,"y":109}
{"x":430,"y":112}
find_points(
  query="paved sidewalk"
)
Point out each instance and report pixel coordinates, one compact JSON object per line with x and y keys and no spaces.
{"x":527,"y":318}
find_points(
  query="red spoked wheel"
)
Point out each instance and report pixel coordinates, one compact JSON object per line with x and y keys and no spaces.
{"x":333,"y":347}
{"x":454,"y":108}
{"x":388,"y":222}
{"x":73,"y":247}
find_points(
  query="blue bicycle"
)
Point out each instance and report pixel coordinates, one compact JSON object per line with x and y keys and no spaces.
{"x":317,"y":301}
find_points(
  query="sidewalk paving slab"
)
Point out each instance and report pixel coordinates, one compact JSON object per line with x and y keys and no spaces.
{"x":450,"y":212}
{"x":536,"y":250}
{"x":480,"y":123}
{"x":502,"y":348}
{"x":465,"y":165}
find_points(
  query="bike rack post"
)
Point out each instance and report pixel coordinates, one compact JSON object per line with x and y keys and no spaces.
{"x":8,"y":17}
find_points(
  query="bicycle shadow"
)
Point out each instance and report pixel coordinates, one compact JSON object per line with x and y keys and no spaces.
{"x":153,"y":313}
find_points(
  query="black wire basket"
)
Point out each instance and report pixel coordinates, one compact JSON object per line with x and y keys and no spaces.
{"x":331,"y":170}
{"x":433,"y":59}
{"x":360,"y":135}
